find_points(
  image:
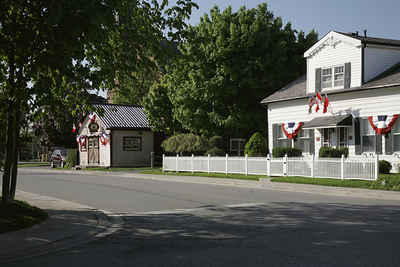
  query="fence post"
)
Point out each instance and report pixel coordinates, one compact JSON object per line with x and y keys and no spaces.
{"x":163,"y":162}
{"x":285,"y":165}
{"x":176,"y":167}
{"x":268,"y":166}
{"x":246,"y":166}
{"x":192,"y":163}
{"x":312,"y":165}
{"x":208,"y":163}
{"x":376,"y":166}
{"x":226,"y":164}
{"x":342,"y":167}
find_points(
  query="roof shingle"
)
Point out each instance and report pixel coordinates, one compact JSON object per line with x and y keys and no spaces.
{"x":122,"y":116}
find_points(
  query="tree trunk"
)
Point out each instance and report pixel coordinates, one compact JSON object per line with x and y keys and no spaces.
{"x":14,"y":171}
{"x":9,"y":154}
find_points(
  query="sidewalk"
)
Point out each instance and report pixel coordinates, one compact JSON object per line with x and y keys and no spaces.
{"x":69,"y":225}
{"x":262,"y":184}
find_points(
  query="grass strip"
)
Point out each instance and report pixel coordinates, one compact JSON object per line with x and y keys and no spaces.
{"x":17,"y":215}
{"x":389,"y":182}
{"x":34,"y":164}
{"x":203,"y":174}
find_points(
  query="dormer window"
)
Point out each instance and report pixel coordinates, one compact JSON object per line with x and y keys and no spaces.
{"x":338,"y":77}
{"x":334,"y":77}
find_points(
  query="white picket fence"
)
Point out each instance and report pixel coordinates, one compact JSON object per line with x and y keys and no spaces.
{"x":342,"y":168}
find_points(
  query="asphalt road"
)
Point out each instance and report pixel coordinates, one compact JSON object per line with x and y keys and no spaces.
{"x":182,"y":224}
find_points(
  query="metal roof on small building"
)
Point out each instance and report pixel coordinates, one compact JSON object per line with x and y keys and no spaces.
{"x":122,"y":116}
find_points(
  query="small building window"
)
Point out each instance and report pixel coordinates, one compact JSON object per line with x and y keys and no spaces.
{"x":132,"y":143}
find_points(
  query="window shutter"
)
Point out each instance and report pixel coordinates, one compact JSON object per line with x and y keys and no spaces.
{"x":388,"y":144}
{"x":275,"y":128}
{"x":312,"y":142}
{"x":347,"y":75}
{"x":378,"y":144}
{"x":318,"y":80}
{"x":357,"y":136}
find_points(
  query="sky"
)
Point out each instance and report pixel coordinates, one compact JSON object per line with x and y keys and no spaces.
{"x":379,"y":18}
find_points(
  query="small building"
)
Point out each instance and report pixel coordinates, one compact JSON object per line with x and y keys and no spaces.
{"x":349,"y":98}
{"x":115,"y":136}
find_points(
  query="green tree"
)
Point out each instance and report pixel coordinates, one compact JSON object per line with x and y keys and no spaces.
{"x":52,"y":51}
{"x":256,"y":146}
{"x":227,"y":65}
{"x":185,"y":144}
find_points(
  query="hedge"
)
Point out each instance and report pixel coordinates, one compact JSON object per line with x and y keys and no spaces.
{"x":280,"y":152}
{"x":330,"y":152}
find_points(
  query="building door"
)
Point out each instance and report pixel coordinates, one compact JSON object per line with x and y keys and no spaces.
{"x":93,"y":150}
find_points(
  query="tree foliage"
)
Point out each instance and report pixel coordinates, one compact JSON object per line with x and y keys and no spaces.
{"x":185,"y":144}
{"x":56,"y":51}
{"x":227,"y":64}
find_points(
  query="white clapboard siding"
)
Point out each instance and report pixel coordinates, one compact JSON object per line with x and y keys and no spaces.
{"x":378,"y":59}
{"x":331,"y":55}
{"x":383,"y":101}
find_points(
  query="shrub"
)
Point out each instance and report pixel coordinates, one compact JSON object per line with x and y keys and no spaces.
{"x":185,"y":144}
{"x":215,"y":151}
{"x":256,"y":146}
{"x":384,"y":166}
{"x":71,"y":160}
{"x":330,"y":152}
{"x":279,"y":152}
{"x":216,"y":142}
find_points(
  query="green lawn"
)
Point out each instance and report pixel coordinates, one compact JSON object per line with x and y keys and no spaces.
{"x":385,"y":182}
{"x":19,"y":214}
{"x":203,"y":174}
{"x":33,"y":164}
{"x":136,"y":169}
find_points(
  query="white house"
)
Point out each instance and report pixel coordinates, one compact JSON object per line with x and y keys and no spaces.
{"x":115,"y":136}
{"x":361,"y":77}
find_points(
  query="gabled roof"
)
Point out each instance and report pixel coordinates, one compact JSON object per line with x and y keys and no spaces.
{"x":122,"y":116}
{"x":373,"y":40}
{"x":297,"y":89}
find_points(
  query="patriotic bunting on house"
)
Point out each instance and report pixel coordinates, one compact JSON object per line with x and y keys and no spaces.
{"x":104,"y":138}
{"x":382,"y":124}
{"x":316,"y":100}
{"x":73,"y":128}
{"x":92,"y":117}
{"x":291,"y":129}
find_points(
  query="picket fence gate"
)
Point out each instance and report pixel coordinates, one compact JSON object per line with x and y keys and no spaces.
{"x":337,"y":168}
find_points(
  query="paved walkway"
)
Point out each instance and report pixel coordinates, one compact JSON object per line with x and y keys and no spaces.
{"x":69,"y":224}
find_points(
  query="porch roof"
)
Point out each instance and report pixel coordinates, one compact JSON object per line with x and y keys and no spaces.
{"x":329,"y":122}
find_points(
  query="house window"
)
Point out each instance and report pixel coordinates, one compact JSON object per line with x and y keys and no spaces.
{"x":282,"y":140}
{"x":327,"y":136}
{"x":396,"y":136}
{"x":368,"y":138}
{"x":335,"y":73}
{"x":326,"y":78}
{"x":132,"y":143}
{"x":342,"y":137}
{"x":339,"y":76}
{"x":303,"y":141}
{"x":237,"y":146}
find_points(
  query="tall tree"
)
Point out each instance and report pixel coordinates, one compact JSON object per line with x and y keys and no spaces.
{"x":53,"y":51}
{"x":228,"y":63}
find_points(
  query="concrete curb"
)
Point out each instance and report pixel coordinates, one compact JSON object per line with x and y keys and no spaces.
{"x":105,"y":225}
{"x":263,"y":183}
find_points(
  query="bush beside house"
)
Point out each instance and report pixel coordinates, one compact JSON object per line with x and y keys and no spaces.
{"x":72,"y":159}
{"x":384,"y":166}
{"x":216,"y":144}
{"x":280,"y":152}
{"x":330,"y":152}
{"x":256,"y":146}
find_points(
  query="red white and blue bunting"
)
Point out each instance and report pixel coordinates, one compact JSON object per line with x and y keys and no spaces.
{"x":291,"y":129}
{"x":382,"y":124}
{"x":317,"y":100}
{"x":81,"y":140}
{"x":92,"y":117}
{"x":104,"y":138}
